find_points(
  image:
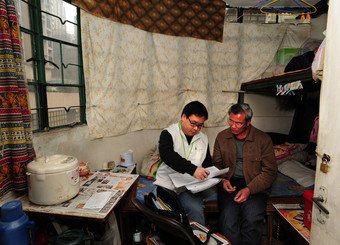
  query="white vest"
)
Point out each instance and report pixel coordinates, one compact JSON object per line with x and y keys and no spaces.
{"x":195,"y":153}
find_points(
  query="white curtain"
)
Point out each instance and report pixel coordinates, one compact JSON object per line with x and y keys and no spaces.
{"x":139,"y":80}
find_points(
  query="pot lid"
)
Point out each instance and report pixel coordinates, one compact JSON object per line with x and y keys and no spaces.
{"x":52,"y":164}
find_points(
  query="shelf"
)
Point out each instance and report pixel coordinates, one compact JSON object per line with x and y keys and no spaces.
{"x":268,"y":85}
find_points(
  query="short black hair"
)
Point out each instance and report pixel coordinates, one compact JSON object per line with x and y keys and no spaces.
{"x":195,"y":108}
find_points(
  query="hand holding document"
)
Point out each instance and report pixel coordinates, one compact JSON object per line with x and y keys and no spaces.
{"x":194,"y":184}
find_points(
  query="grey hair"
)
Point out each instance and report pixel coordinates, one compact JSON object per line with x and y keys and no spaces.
{"x":241,"y":107}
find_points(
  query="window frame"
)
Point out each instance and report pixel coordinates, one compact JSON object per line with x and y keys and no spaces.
{"x":39,"y":62}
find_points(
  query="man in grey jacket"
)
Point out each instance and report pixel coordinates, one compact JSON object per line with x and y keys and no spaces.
{"x":249,"y":154}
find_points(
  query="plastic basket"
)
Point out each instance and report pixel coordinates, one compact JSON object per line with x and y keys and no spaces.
{"x":284,"y":55}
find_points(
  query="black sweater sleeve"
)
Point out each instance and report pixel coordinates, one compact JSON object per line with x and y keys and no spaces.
{"x":173,"y":159}
{"x":207,"y":161}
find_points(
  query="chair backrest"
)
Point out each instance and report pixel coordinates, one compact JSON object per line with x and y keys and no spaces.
{"x":167,"y":225}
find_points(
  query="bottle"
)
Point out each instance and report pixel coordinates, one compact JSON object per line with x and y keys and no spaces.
{"x":137,"y":237}
{"x":15,"y":227}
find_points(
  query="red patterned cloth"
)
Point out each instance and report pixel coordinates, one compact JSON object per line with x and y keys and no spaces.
{"x":16,"y":149}
{"x":283,"y":150}
{"x":202,"y":19}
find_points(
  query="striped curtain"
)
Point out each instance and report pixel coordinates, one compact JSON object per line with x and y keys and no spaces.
{"x":16,"y":149}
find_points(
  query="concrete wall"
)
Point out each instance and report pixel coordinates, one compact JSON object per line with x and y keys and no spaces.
{"x":75,"y":142}
{"x":267,"y":116}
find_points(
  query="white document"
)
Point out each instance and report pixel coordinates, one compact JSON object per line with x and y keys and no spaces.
{"x":287,"y":206}
{"x":180,"y":180}
{"x":98,"y":200}
{"x":202,"y":185}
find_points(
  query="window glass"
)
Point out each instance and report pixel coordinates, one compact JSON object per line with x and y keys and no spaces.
{"x":32,"y":96}
{"x":23,"y":14}
{"x":27,"y":61}
{"x":60,"y":21}
{"x":63,"y":103}
{"x":52,"y":63}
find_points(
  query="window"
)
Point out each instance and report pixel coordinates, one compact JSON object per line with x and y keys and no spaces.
{"x":244,"y":15}
{"x":53,"y":62}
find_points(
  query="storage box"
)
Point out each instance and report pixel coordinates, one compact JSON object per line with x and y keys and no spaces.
{"x":284,"y":55}
{"x":307,"y":215}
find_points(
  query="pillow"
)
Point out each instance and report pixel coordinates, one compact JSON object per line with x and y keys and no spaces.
{"x":289,"y":151}
{"x":298,"y":172}
{"x":150,"y":163}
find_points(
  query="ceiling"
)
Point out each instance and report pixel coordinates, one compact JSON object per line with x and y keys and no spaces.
{"x":277,"y":3}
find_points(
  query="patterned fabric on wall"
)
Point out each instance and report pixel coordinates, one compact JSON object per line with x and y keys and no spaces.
{"x":16,"y":149}
{"x":202,"y":19}
{"x":139,"y":80}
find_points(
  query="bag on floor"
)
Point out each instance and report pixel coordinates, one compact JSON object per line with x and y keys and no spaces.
{"x":167,"y":205}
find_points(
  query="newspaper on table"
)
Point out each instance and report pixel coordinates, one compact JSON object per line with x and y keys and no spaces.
{"x":99,"y":193}
{"x":195,"y":185}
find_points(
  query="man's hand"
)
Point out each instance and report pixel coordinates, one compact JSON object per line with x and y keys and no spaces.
{"x":242,"y":195}
{"x":201,"y":173}
{"x":227,"y":186}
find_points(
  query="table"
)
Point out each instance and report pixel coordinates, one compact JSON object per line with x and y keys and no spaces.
{"x":270,"y":210}
{"x":120,"y":180}
{"x":116,"y":183}
{"x":293,"y":214}
{"x":126,"y":210}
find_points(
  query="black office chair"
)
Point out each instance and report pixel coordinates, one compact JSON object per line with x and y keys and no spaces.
{"x":168,"y":227}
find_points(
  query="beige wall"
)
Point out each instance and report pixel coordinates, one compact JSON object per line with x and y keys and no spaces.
{"x":267,"y":116}
{"x":75,"y":142}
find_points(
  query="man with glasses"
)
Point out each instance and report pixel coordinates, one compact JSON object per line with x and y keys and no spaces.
{"x":184,"y":148}
{"x":242,"y":196}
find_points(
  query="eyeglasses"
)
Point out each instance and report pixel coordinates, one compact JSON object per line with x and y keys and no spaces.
{"x":237,"y":124}
{"x":196,"y":124}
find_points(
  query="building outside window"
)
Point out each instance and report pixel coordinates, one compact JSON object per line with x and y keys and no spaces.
{"x":50,"y":33}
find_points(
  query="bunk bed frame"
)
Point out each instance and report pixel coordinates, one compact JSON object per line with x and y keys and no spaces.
{"x":268,"y":87}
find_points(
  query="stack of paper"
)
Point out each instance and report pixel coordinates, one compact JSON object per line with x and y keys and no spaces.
{"x":195,"y":185}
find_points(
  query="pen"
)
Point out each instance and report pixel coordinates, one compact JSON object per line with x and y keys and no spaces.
{"x":121,"y":166}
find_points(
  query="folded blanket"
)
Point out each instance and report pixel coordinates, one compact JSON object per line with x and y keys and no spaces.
{"x":297,"y":171}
